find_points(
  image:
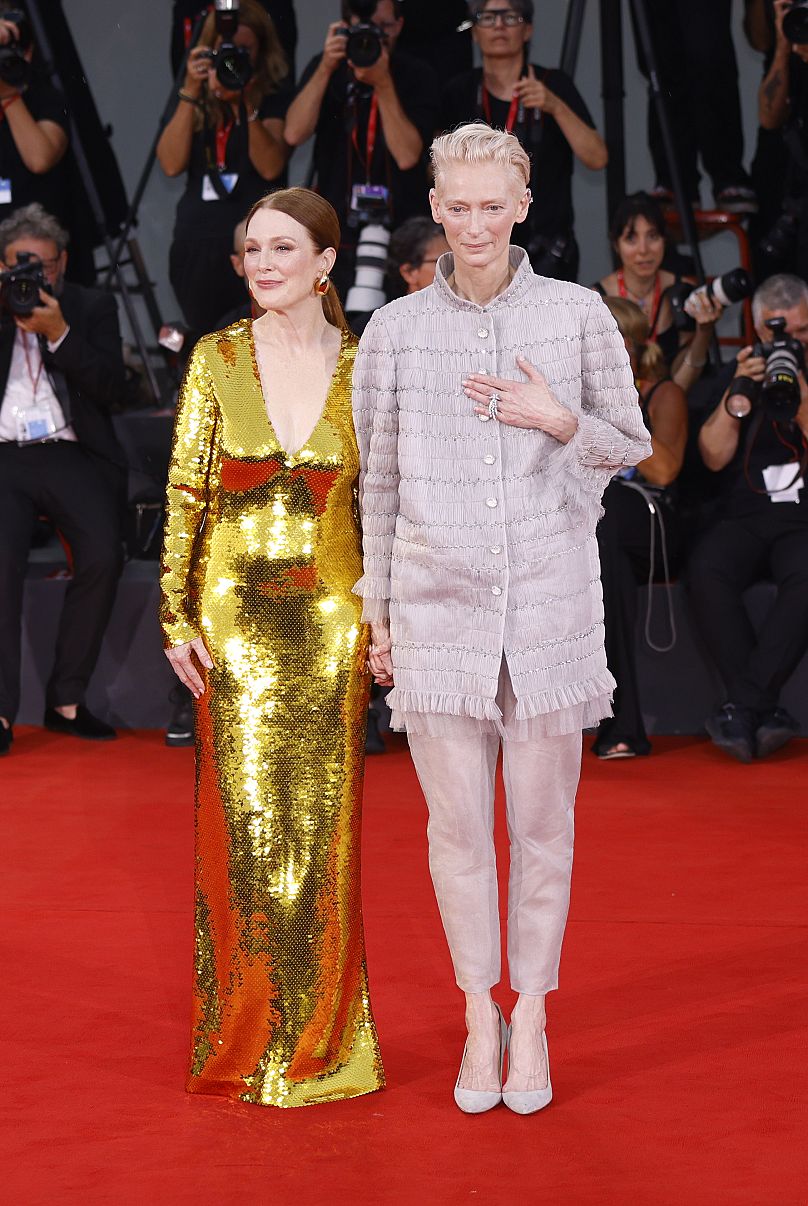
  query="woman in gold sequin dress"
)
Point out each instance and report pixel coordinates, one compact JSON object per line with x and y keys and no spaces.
{"x":262,"y":548}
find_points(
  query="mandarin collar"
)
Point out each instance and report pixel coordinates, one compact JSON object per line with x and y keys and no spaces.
{"x":518,"y":259}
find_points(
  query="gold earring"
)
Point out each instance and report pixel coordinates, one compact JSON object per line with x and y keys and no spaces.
{"x":322,"y":285}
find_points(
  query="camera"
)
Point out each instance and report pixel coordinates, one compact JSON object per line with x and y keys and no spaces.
{"x":15,"y":69}
{"x":795,"y":22}
{"x":20,"y":285}
{"x":778,"y":394}
{"x":727,"y":289}
{"x":231,"y":63}
{"x":365,"y":40}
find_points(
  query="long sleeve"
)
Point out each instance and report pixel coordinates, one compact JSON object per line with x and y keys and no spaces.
{"x":187,"y":497}
{"x":375,"y":407}
{"x":611,"y":433}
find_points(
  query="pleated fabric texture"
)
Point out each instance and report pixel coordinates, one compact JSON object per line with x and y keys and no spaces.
{"x":479,"y":537}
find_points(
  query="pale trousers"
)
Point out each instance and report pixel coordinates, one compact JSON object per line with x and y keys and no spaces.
{"x":457,"y":776}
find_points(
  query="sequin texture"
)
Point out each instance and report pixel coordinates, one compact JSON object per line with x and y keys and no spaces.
{"x":261,"y":551}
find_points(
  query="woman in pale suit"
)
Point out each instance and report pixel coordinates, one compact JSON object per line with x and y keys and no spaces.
{"x":492,"y":409}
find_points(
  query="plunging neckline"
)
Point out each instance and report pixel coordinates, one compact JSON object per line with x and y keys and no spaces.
{"x":330,"y":389}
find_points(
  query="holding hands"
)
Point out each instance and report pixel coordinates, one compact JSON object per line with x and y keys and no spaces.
{"x":380,"y":661}
{"x":529,"y":404}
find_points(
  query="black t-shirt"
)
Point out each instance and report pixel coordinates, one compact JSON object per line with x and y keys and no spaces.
{"x":197,"y":218}
{"x":45,"y":103}
{"x":762,"y":445}
{"x":551,"y":156}
{"x":769,"y":444}
{"x":340,"y":143}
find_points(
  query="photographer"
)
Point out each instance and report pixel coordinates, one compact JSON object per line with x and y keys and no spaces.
{"x":763,"y":531}
{"x":61,"y":370}
{"x":415,"y":248}
{"x":371,"y":125}
{"x":186,"y":12}
{"x":545,"y":111}
{"x":228,"y":138}
{"x":783,"y":106}
{"x":33,"y":126}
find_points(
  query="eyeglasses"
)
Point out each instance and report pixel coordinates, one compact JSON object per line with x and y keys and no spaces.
{"x":489,"y":18}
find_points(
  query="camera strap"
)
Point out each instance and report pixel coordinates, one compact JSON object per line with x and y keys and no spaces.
{"x":802,"y":465}
{"x":216,"y":143}
{"x":372,"y":133}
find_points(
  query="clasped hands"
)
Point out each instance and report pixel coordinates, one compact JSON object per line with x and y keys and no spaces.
{"x":529,"y":404}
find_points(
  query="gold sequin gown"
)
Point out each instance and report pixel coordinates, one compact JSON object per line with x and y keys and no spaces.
{"x":261,"y":551}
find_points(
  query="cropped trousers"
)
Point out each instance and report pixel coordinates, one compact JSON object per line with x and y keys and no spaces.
{"x":457,"y":775}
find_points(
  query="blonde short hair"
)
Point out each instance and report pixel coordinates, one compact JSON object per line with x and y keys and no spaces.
{"x":476,"y":142}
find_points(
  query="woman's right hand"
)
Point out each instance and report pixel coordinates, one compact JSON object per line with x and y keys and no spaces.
{"x":197,"y":70}
{"x":380,"y":659}
{"x":182,"y":663}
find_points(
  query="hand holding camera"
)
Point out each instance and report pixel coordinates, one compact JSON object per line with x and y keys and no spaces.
{"x":771,"y":376}
{"x":334,"y":50}
{"x":197,"y":71}
{"x":15,"y":44}
{"x":45,"y":319}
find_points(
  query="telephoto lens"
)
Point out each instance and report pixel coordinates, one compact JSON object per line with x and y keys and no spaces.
{"x":364,"y":44}
{"x":727,"y":289}
{"x":731,"y":287}
{"x":367,"y":292}
{"x":795,"y":22}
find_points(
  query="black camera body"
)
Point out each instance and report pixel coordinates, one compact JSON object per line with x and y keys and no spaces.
{"x":365,"y":41}
{"x":20,"y":286}
{"x":15,"y":69}
{"x":778,"y":394}
{"x":232,"y":65}
{"x":795,"y":22}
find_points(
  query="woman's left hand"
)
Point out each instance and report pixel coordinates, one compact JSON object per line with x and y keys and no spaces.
{"x":705,"y":310}
{"x":529,"y":404}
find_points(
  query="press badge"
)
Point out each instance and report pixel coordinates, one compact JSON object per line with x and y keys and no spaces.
{"x":34,"y":423}
{"x":778,"y":480}
{"x":5,"y":191}
{"x":369,"y":197}
{"x":228,"y":179}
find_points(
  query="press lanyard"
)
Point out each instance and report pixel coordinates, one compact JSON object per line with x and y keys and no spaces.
{"x":370,"y":145}
{"x":33,"y":379}
{"x":222,"y":139}
{"x":623,"y":291}
{"x":513,"y":111}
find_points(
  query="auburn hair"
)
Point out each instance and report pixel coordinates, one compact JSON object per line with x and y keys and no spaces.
{"x":319,"y":218}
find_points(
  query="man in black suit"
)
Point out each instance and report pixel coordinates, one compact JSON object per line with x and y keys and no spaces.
{"x":61,"y":368}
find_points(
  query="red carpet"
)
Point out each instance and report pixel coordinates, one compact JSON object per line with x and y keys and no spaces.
{"x":677,"y":1040}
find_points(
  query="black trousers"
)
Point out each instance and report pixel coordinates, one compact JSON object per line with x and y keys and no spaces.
{"x":699,"y":72}
{"x":62,"y":481}
{"x":624,"y":540}
{"x":733,"y":555}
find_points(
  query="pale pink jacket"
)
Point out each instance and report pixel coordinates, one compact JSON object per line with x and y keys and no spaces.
{"x":479,"y":538}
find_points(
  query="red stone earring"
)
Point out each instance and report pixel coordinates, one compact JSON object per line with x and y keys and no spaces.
{"x":323,"y":284}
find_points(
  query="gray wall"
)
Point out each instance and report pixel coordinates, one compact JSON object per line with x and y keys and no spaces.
{"x":125,"y":57}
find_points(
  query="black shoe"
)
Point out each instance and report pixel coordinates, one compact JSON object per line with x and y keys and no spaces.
{"x":732,"y":728}
{"x":373,"y":740}
{"x":180,"y":728}
{"x":85,"y":725}
{"x":6,"y":738}
{"x":775,"y":728}
{"x":736,"y":199}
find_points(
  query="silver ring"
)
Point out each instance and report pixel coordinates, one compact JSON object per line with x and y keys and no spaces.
{"x":494,"y":400}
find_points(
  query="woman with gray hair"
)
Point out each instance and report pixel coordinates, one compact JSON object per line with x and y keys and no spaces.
{"x":492,"y":409}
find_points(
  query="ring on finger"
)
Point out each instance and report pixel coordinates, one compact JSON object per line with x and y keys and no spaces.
{"x":494,"y":399}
